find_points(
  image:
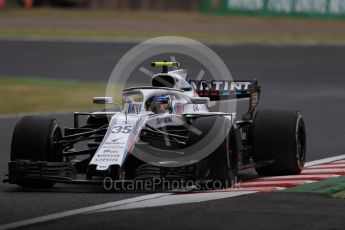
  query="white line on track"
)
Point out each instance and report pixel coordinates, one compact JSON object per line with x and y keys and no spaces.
{"x":329,"y":165}
{"x":162,"y":199}
{"x":81,"y":211}
{"x":177,"y":199}
{"x":324,"y":170}
{"x":325,"y":160}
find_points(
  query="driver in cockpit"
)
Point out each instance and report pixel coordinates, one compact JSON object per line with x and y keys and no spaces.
{"x":159,"y":104}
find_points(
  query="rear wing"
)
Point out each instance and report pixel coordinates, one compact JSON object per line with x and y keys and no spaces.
{"x":225,"y":90}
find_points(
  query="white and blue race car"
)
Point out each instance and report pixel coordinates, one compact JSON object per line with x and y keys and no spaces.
{"x":165,"y":130}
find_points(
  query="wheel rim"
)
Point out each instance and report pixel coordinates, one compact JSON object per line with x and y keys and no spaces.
{"x":301,"y":147}
{"x":56,"y":148}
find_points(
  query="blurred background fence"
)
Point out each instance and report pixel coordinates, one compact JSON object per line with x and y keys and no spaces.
{"x":295,"y":8}
{"x":192,"y":5}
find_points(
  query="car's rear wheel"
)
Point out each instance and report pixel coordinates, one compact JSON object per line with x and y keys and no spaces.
{"x":34,"y":138}
{"x":279,"y":137}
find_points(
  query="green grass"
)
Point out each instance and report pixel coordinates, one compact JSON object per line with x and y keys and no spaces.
{"x":26,"y":95}
{"x":92,"y":24}
{"x":339,"y":195}
{"x":334,"y":187}
{"x":109,"y":35}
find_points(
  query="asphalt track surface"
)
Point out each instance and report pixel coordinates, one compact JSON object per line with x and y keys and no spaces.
{"x":309,"y":78}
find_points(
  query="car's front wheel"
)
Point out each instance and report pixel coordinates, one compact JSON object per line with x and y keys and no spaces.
{"x":34,"y":139}
{"x":221,"y":166}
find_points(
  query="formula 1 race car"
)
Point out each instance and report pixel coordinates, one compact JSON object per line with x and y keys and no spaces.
{"x":165,"y":130}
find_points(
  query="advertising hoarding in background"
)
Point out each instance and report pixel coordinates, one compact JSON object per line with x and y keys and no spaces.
{"x":307,"y":8}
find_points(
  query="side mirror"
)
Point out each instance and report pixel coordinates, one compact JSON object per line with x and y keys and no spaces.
{"x":103,"y":100}
{"x":199,"y":100}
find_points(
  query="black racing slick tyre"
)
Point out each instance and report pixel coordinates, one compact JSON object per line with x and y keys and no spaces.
{"x":279,"y":137}
{"x":34,"y":139}
{"x":222,"y":163}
